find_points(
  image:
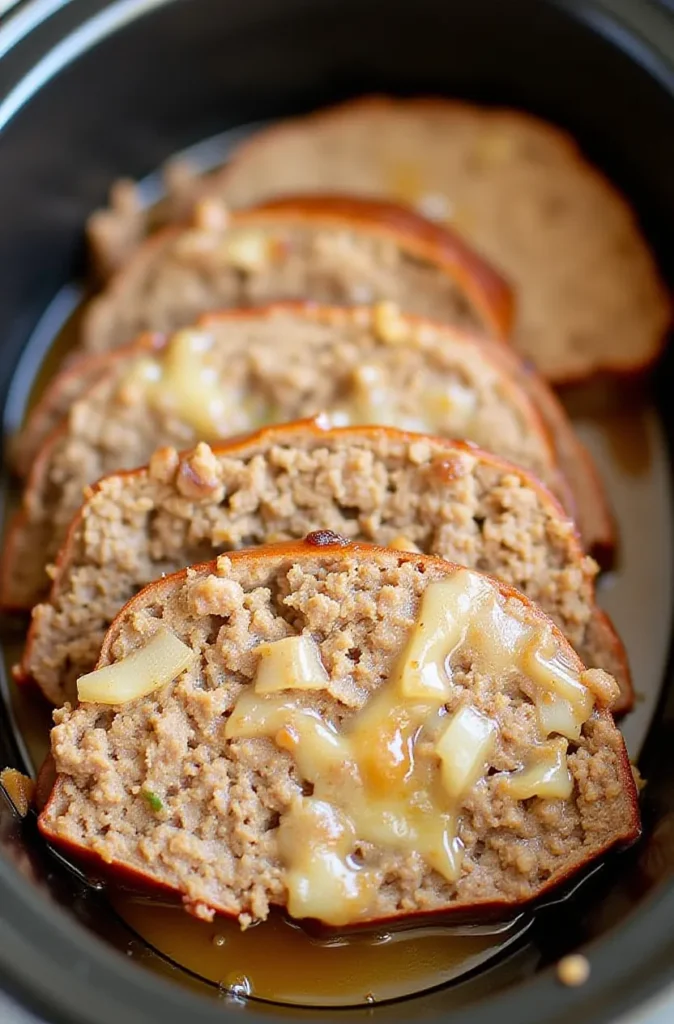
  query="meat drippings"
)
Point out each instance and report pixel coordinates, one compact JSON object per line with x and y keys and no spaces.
{"x":393,"y":777}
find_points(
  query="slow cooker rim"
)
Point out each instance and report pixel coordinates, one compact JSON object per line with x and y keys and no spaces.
{"x":645,"y":941}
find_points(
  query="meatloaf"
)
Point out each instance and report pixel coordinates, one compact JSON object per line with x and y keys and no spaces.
{"x":585,"y":496}
{"x":352,"y":733}
{"x":329,"y":249}
{"x":241,"y":370}
{"x":517,"y":188}
{"x":367,"y":483}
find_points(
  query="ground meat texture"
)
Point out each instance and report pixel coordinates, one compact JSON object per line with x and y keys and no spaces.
{"x":589,"y":295}
{"x":156,"y":789}
{"x":273,"y":365}
{"x":372,"y":484}
{"x":328,"y":249}
{"x":589,"y":502}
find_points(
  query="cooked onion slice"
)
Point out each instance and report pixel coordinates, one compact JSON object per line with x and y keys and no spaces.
{"x":445,"y":610}
{"x":464,"y":749}
{"x":159,"y":662}
{"x":547,"y":775}
{"x":293,"y":663}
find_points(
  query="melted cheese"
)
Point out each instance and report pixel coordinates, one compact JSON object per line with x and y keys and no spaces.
{"x":248,"y":250}
{"x":182,"y":381}
{"x":460,"y":611}
{"x":379,"y":777}
{"x":316,"y":839}
{"x":393,"y":776}
{"x":548,"y":669}
{"x":372,"y":401}
{"x":545,"y":775}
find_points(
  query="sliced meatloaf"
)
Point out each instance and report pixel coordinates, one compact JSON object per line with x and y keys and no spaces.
{"x":585,"y":497}
{"x":366,"y":483}
{"x":328,"y":249}
{"x":517,"y":188}
{"x":244,"y":369}
{"x":45,"y":417}
{"x":352,"y":733}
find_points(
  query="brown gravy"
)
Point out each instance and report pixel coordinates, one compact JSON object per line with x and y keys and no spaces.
{"x":279,"y":961}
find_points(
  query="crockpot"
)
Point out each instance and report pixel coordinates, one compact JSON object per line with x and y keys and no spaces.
{"x":90,"y":91}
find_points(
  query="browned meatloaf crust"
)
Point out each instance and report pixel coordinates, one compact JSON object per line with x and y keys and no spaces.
{"x":162,"y":791}
{"x":518,"y":189}
{"x":45,"y":417}
{"x":243,"y":369}
{"x":366,"y":483}
{"x":589,"y":506}
{"x":327,"y":249}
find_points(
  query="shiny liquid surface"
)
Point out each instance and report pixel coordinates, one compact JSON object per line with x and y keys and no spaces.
{"x":280,"y":962}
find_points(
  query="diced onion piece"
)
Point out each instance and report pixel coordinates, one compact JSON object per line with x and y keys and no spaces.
{"x":293,"y":663}
{"x":464,"y":750}
{"x":389,"y":324}
{"x":546,"y":667}
{"x":445,"y":613}
{"x":403,"y":543}
{"x":156,"y":664}
{"x":557,"y":715}
{"x":249,"y":251}
{"x":547,"y":776}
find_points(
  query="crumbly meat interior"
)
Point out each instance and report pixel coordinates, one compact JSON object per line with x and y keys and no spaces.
{"x":155,"y":787}
{"x":270,"y":369}
{"x":518,"y":189}
{"x":195,"y":271}
{"x":381,"y":488}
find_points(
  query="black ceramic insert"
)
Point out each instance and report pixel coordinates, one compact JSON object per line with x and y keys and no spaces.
{"x":92,"y":90}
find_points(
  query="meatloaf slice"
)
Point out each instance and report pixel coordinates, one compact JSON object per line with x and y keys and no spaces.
{"x":517,"y":188}
{"x":366,"y":483}
{"x":587,"y":499}
{"x":46,"y":416}
{"x":329,"y":249}
{"x":352,"y":733}
{"x":243,"y":369}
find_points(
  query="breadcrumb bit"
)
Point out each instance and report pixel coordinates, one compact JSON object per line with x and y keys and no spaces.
{"x":403,"y":543}
{"x":388,"y":323}
{"x":573,"y":970}
{"x":639,"y":781}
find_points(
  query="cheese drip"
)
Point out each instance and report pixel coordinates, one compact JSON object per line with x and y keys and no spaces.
{"x":181,"y":380}
{"x":392,"y":778}
{"x":375,"y":781}
{"x":371,"y":400}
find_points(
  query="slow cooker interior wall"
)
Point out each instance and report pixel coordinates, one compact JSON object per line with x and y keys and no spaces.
{"x":191,"y":68}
